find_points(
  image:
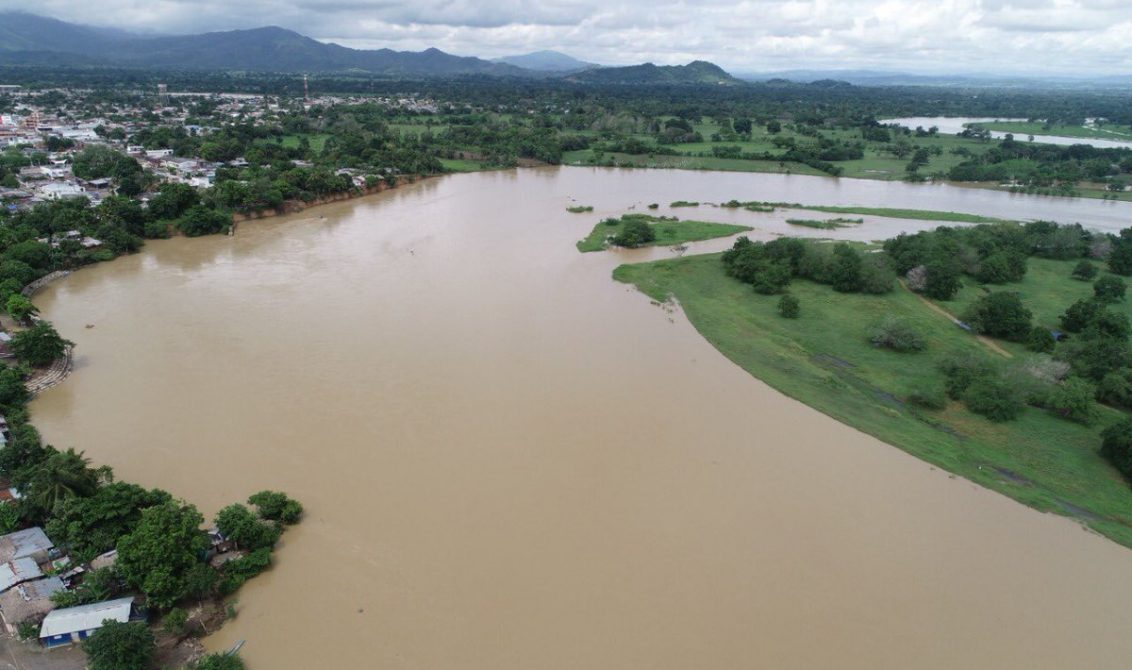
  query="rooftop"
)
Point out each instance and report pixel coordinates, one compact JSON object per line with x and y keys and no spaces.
{"x":85,"y":617}
{"x":19,"y":570}
{"x":21,"y":543}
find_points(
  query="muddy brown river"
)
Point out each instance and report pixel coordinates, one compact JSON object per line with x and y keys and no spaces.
{"x":510,"y":461}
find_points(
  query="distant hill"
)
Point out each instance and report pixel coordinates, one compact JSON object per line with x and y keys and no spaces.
{"x":26,"y":38}
{"x":696,"y":72}
{"x":547,"y":61}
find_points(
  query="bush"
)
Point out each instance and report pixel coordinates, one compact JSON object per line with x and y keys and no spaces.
{"x":961,"y":369}
{"x":928,"y":397}
{"x":896,"y":334}
{"x":1000,"y":314}
{"x":789,"y":307}
{"x":634,"y":233}
{"x":276,"y":506}
{"x":242,"y":569}
{"x":992,"y":397}
{"x":120,"y":646}
{"x":39,"y":345}
{"x":1079,"y":315}
{"x":174,"y":621}
{"x":1073,"y":400}
{"x":1116,"y":388}
{"x":1116,"y":445}
{"x":219,"y":661}
{"x":1109,"y":289}
{"x":1084,"y":271}
{"x":1040,"y":340}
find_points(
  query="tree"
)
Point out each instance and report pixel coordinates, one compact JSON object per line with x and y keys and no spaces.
{"x":39,"y":345}
{"x":1040,"y":340}
{"x":237,"y":523}
{"x":992,"y":397}
{"x":158,"y":555}
{"x":1079,"y":315}
{"x":1120,"y":258}
{"x":789,"y":307}
{"x":20,"y":308}
{"x":845,"y":272}
{"x":1074,"y":400}
{"x":1116,"y":388}
{"x":1084,"y":271}
{"x":942,"y":281}
{"x":1116,"y":445}
{"x":91,"y":525}
{"x":1000,"y":314}
{"x":120,"y":646}
{"x":13,"y":391}
{"x":1109,"y":289}
{"x":276,"y":506}
{"x":634,"y":233}
{"x":200,"y":220}
{"x":62,"y":475}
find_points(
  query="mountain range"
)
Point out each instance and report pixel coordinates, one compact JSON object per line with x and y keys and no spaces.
{"x":28,"y":39}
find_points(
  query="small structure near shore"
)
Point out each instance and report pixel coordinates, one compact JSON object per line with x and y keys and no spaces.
{"x":75,"y":624}
{"x":29,"y":601}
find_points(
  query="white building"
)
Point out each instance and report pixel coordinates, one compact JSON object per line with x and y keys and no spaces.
{"x":75,"y":624}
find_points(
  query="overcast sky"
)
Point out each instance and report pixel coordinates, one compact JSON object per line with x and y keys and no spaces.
{"x":943,"y":36}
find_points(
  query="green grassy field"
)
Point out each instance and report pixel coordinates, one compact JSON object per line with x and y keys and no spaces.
{"x":461,"y":165}
{"x":920,"y":214}
{"x":317,"y":141}
{"x":1023,"y":128}
{"x":825,"y":360}
{"x":667,"y":233}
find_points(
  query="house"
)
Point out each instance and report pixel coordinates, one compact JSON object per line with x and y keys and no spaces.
{"x":28,"y":602}
{"x":28,"y":543}
{"x":17,"y":572}
{"x":60,"y":191}
{"x":158,"y":153}
{"x":75,"y":624}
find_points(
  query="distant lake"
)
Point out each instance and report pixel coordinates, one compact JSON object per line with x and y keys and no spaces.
{"x":953,"y":125}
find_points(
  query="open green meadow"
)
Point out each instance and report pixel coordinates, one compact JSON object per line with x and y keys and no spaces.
{"x":668,"y":232}
{"x":824,"y":359}
{"x":1022,"y":129}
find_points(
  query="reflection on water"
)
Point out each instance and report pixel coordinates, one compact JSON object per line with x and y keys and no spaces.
{"x":511,"y":461}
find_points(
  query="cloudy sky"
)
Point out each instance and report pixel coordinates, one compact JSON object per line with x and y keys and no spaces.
{"x":927,"y":36}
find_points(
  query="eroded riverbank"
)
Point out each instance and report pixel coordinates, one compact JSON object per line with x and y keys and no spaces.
{"x":508,"y":460}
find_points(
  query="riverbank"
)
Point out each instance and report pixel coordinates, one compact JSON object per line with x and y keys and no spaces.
{"x":295,"y":206}
{"x":824,"y":359}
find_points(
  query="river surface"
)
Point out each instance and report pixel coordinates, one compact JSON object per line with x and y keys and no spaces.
{"x":510,"y":461}
{"x":953,"y":125}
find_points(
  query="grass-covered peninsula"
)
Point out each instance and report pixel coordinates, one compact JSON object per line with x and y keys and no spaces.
{"x":644,"y":230}
{"x":995,"y":399}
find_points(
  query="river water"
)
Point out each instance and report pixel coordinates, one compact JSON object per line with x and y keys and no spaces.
{"x":953,"y":125}
{"x":510,"y":461}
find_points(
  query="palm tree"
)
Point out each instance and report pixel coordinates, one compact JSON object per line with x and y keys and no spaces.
{"x":63,"y":475}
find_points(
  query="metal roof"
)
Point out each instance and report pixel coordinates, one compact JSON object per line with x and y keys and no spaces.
{"x":85,"y":617}
{"x":19,"y":570}
{"x":27,"y":542}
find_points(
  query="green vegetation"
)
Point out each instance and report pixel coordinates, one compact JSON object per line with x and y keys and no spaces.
{"x":580,"y":209}
{"x":665,"y":231}
{"x":890,"y":364}
{"x":919,"y":214}
{"x":1022,"y":129}
{"x":120,"y":646}
{"x":826,"y":224}
{"x":684,"y":203}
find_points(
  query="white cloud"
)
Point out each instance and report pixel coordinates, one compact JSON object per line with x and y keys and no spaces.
{"x":750,"y":35}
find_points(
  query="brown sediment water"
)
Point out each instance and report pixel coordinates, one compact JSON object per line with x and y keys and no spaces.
{"x":511,"y":461}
